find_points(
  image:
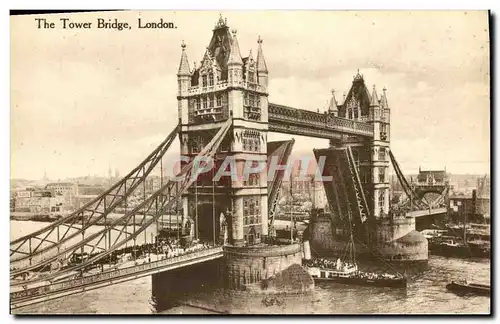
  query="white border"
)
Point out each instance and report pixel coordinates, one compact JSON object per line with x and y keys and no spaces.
{"x":187,"y":5}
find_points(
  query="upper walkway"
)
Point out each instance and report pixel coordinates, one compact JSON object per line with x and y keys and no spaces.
{"x":289,"y":120}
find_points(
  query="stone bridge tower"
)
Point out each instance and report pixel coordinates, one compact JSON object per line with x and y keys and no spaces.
{"x":226,"y":85}
{"x":371,"y":156}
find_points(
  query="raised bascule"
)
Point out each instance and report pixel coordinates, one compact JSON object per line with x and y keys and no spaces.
{"x":225,"y":115}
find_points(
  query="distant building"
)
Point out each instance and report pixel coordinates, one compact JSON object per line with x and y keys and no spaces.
{"x":484,"y":187}
{"x":37,"y":201}
{"x":63,"y":188}
{"x":153,"y":184}
{"x":84,"y":190}
{"x":465,"y":204}
{"x":431,"y":177}
{"x":307,"y":187}
{"x":67,"y":191}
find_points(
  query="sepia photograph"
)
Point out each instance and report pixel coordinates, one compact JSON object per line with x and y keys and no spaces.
{"x":285,"y":162}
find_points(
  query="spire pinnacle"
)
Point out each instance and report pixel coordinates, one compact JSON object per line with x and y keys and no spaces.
{"x":358,"y":76}
{"x":184,"y":64}
{"x":374,"y":100}
{"x":222,"y":22}
{"x":383,"y":101}
{"x":235,"y":54}
{"x":332,"y":106}
{"x":261,"y":62}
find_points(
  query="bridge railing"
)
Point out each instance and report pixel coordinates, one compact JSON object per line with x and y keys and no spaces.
{"x":73,"y":283}
{"x":314,"y":119}
{"x":199,"y":89}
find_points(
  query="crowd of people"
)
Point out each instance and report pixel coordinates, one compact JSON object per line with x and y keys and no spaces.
{"x":329,"y":264}
{"x":340,"y":265}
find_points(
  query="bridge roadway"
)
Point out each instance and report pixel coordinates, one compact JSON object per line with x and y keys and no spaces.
{"x":427,"y":212}
{"x":50,"y":291}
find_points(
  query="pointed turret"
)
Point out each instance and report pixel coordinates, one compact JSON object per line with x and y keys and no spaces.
{"x":235,"y":54}
{"x":262,"y":67}
{"x":250,"y":56}
{"x":332,"y":106}
{"x":383,"y":101}
{"x":261,"y":62}
{"x":374,"y":99}
{"x":184,"y":69}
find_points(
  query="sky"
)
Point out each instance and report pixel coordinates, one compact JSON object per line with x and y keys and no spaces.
{"x":86,"y":100}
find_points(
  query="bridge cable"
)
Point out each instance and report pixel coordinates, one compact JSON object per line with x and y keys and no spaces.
{"x":208,"y":151}
{"x":92,"y":208}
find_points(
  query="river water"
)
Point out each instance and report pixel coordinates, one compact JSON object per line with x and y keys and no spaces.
{"x":426,"y":294}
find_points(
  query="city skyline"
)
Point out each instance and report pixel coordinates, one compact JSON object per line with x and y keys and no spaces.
{"x":116,"y":111}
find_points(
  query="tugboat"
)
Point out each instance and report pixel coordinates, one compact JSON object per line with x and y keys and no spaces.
{"x":346,"y":271}
{"x":465,"y":287}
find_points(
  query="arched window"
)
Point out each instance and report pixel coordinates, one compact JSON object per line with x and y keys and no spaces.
{"x":197,"y":104}
{"x":204,"y":80}
{"x":381,"y":201}
{"x":381,"y":154}
{"x":211,"y":79}
{"x":349,"y":114}
{"x":205,"y":103}
{"x":251,"y":76}
{"x":381,"y":174}
{"x":245,"y":99}
{"x":219,"y":100}
{"x":212,"y":101}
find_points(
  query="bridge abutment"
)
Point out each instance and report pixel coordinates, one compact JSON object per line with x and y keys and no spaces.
{"x":170,"y":287}
{"x":393,"y":240}
{"x":248,"y":268}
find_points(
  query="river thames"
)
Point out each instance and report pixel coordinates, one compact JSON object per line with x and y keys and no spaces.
{"x":426,"y":294}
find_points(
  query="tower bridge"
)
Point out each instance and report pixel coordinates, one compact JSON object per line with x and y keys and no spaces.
{"x":224,"y":111}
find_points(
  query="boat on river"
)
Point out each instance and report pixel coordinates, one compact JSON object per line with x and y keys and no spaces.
{"x":346,"y":270}
{"x":348,"y":273}
{"x":466,"y":287}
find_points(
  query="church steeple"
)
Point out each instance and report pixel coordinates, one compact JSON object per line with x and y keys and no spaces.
{"x":261,"y":62}
{"x":235,"y":54}
{"x":184,"y":69}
